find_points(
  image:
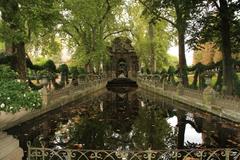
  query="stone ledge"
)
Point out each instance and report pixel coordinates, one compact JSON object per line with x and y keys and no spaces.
{"x":8,"y":120}
{"x":213,"y":109}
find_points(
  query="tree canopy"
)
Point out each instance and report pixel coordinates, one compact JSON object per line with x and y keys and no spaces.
{"x":79,"y":31}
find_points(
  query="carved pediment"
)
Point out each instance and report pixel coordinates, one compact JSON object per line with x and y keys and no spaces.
{"x":122,"y":45}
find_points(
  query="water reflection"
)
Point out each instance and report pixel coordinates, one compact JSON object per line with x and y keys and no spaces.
{"x":136,"y":120}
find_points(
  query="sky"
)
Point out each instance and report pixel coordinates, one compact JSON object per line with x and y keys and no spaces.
{"x":189,"y":54}
{"x":190,"y":133}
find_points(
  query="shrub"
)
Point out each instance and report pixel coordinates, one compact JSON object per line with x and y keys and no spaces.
{"x":14,"y":94}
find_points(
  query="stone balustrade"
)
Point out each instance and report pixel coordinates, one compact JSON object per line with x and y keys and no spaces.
{"x":207,"y":100}
{"x":71,"y":92}
{"x":52,"y":99}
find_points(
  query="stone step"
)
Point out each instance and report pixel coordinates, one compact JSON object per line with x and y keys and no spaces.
{"x":16,"y":155}
{"x":3,"y":135}
{"x":5,"y":141}
{"x":9,"y":148}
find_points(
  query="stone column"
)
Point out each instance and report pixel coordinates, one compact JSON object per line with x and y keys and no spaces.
{"x":208,"y":95}
{"x":44,"y":93}
{"x":180,"y":89}
{"x":209,"y":92}
{"x":163,"y":85}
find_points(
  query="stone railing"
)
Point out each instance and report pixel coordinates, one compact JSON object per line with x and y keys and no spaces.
{"x":71,"y":92}
{"x":52,"y":99}
{"x":208,"y":100}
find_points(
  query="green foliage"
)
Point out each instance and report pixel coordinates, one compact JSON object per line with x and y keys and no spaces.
{"x":177,"y":14}
{"x":63,"y":68}
{"x":22,"y":19}
{"x":79,"y":58}
{"x":32,"y":24}
{"x":40,"y":60}
{"x":205,"y":25}
{"x":48,"y":46}
{"x":142,"y":41}
{"x":87,"y":26}
{"x":15,"y":95}
{"x":50,"y":66}
{"x":171,"y":70}
{"x":2,"y":47}
{"x":236,"y":84}
{"x":74,"y":71}
{"x":7,"y":73}
{"x":82,"y":71}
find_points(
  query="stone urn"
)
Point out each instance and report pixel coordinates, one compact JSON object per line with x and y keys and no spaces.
{"x":180,"y":89}
{"x":208,"y":95}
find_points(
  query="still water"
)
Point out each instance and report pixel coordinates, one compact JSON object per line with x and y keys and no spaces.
{"x":136,"y":120}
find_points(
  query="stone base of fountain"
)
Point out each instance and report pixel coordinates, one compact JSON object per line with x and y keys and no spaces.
{"x":121,"y":85}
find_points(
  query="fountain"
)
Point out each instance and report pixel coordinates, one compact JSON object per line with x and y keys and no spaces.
{"x":124,"y":65}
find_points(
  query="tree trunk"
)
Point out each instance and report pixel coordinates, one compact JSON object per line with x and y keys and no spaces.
{"x":181,"y":130}
{"x":21,"y":66}
{"x":181,"y":26}
{"x":218,"y":84}
{"x":195,"y":79}
{"x":9,"y":14}
{"x":94,"y":32}
{"x":182,"y":58}
{"x":226,"y":47}
{"x":152,"y":52}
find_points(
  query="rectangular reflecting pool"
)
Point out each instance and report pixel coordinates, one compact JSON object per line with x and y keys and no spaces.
{"x":136,"y":120}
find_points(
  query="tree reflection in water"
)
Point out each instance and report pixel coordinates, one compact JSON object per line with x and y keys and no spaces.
{"x":124,"y":124}
{"x":134,"y":120}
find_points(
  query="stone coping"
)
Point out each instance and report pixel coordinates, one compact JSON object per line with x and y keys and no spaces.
{"x":222,"y":112}
{"x":8,"y":120}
